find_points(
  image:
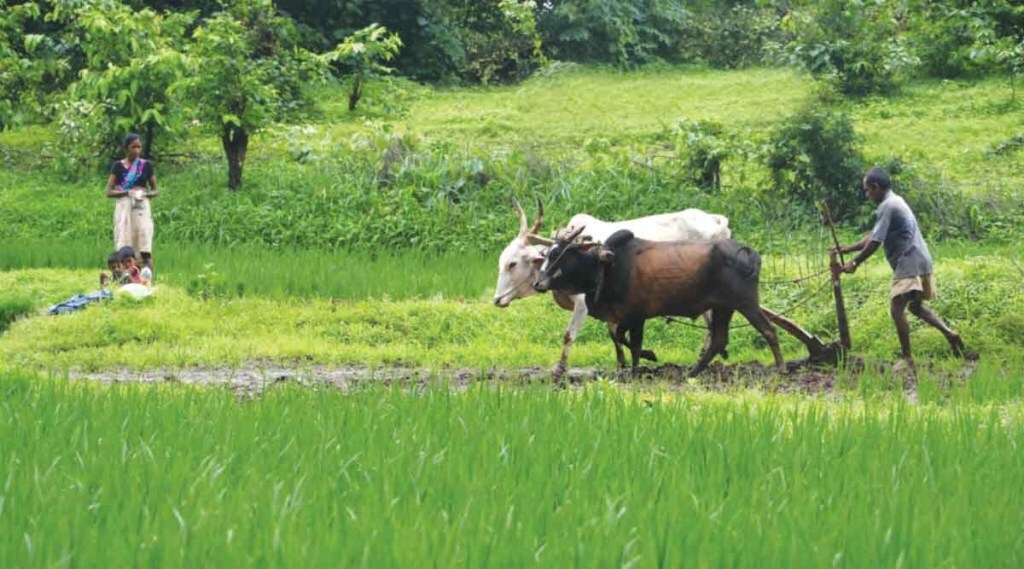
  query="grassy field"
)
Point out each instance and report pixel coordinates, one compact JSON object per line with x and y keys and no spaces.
{"x":317,"y":265}
{"x":497,"y":476}
{"x":408,"y":320}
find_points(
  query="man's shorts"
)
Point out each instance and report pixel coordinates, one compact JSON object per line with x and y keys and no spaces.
{"x":925,"y":284}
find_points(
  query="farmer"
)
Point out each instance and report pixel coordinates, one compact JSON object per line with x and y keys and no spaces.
{"x":897,"y":231}
{"x":133,"y":183}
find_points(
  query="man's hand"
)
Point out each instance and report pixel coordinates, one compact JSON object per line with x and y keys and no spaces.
{"x":850,"y":267}
{"x":840,"y":250}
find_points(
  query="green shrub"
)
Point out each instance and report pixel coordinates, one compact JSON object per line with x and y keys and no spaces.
{"x":856,"y":45}
{"x":610,"y":31}
{"x":212,"y":284}
{"x":813,"y":155}
{"x":705,"y":145}
{"x":730,"y":38}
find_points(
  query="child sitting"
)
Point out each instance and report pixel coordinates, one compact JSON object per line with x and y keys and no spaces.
{"x":132,"y":273}
{"x":115,"y":267}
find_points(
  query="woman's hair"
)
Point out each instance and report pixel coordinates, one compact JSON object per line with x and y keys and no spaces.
{"x":130,"y":139}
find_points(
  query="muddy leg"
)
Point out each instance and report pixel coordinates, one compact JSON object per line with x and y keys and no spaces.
{"x":720,"y":319}
{"x":707,"y":339}
{"x":932,"y":319}
{"x":758,"y":320}
{"x":620,"y":357}
{"x":579,"y":314}
{"x":898,"y":311}
{"x":636,"y":341}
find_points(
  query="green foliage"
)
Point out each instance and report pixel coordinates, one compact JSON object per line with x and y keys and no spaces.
{"x":942,"y":35}
{"x":855,"y":44}
{"x":244,"y":70}
{"x":1003,"y":54}
{"x":211,"y":284}
{"x":730,"y":37}
{"x":705,"y":145}
{"x":132,"y":58}
{"x":997,"y":29}
{"x":32,"y":65}
{"x":347,"y":183}
{"x":362,"y":56}
{"x":503,"y":44}
{"x":623,"y":33}
{"x":813,"y":155}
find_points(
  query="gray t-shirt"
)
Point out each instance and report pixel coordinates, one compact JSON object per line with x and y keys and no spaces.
{"x":897,"y":231}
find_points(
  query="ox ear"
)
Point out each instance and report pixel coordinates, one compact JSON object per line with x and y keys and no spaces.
{"x":606,"y":256}
{"x":538,"y":257}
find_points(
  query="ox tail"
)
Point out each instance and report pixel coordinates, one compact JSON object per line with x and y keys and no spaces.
{"x":744,"y":260}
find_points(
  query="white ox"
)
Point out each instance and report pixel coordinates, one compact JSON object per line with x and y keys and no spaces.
{"x":520,"y":262}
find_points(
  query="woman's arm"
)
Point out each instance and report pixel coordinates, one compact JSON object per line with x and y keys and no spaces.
{"x":113,"y":190}
{"x":153,"y":191}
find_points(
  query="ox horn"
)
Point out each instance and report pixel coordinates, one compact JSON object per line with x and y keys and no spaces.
{"x":540,"y":218}
{"x":522,"y":217}
{"x":574,"y":234}
{"x":534,"y":239}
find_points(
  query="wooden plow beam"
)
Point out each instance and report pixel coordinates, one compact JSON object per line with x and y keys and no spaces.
{"x":819,"y":352}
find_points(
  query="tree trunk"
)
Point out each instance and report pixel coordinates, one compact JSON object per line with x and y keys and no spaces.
{"x":235,"y":141}
{"x":147,"y":141}
{"x":357,"y":93}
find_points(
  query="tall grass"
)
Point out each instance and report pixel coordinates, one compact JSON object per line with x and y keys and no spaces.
{"x":392,"y":477}
{"x":280,"y":272}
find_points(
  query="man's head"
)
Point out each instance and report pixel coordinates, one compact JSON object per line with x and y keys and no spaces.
{"x":876,"y":184}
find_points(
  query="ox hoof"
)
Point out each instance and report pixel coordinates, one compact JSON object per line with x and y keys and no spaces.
{"x":648,"y":355}
{"x":558,"y":372}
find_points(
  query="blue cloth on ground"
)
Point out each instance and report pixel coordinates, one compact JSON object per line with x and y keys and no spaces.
{"x":80,"y":301}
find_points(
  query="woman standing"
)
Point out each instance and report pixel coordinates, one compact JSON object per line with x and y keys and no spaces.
{"x":132,"y":183}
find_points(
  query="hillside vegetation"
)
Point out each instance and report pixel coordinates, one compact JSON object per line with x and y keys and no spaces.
{"x":582,"y":139}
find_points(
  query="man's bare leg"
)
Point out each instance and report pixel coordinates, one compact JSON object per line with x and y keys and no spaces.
{"x":921,"y":311}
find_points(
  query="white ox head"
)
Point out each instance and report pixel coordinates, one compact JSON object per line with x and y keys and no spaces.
{"x":520,"y":262}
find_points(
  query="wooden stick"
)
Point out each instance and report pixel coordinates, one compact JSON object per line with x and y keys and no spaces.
{"x":836,"y":264}
{"x":837,"y":292}
{"x":827,"y":216}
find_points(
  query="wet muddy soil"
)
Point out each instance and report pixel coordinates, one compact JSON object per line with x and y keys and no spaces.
{"x":252,"y":379}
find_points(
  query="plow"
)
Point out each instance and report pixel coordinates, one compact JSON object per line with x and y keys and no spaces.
{"x":820,"y":352}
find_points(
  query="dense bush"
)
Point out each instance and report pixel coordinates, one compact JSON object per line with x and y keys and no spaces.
{"x":703,"y":146}
{"x":611,"y":31}
{"x":942,"y":37}
{"x":856,"y":45}
{"x":813,"y":155}
{"x":730,"y":38}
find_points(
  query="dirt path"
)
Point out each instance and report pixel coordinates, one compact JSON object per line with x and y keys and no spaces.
{"x":252,"y":379}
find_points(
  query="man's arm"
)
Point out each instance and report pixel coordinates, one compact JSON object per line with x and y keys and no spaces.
{"x":865,"y":252}
{"x":856,"y":246}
